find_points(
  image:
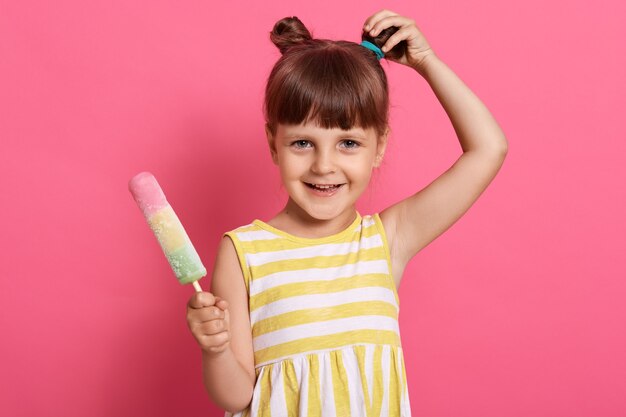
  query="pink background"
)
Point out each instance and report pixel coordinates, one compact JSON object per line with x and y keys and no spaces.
{"x":517,"y":310}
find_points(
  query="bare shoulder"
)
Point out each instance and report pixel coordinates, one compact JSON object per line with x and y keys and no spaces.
{"x":228,"y":283}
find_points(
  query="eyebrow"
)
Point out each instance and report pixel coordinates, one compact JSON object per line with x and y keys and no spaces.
{"x":349,"y":133}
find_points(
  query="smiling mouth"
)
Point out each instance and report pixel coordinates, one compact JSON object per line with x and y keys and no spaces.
{"x":325,"y":187}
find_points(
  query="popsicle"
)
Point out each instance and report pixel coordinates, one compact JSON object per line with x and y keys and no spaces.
{"x":168,"y":229}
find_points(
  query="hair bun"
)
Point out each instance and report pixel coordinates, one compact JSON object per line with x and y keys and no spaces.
{"x":287,"y":32}
{"x":379,"y":40}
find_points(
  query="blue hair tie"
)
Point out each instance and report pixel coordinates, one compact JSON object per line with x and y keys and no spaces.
{"x":376,"y":49}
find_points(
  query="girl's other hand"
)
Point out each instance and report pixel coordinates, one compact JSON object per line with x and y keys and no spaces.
{"x":418,"y":49}
{"x":207,"y":318}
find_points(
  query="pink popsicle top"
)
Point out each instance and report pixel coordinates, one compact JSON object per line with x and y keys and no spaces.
{"x":147,"y":193}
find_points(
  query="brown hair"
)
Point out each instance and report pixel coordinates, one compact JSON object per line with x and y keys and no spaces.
{"x":335,"y":83}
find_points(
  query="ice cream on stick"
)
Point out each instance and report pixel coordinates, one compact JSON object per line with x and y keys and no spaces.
{"x":168,"y":229}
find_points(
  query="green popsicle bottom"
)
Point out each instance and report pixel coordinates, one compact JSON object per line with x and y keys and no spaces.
{"x":186,"y":264}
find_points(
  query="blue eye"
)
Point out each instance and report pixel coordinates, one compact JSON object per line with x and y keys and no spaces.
{"x":301,"y":144}
{"x":351,"y":144}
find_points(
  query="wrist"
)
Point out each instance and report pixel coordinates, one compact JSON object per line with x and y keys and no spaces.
{"x":422,"y":65}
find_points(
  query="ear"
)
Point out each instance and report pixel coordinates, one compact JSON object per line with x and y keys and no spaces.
{"x":270,"y":142}
{"x":381,"y":146}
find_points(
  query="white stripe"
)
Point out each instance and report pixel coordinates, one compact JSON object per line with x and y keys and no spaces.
{"x":384,"y":411}
{"x":261,"y":284}
{"x":324,"y":328}
{"x":369,"y":370}
{"x":256,"y":235}
{"x":355,"y":386}
{"x":326,"y":389}
{"x":302,"y":366}
{"x":406,"y":405}
{"x":256,"y":395}
{"x":299,"y":302}
{"x":278,"y":406}
{"x":298,"y":371}
{"x":329,"y":249}
{"x":368,"y":221}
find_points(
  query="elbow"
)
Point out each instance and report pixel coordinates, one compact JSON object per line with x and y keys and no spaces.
{"x":503,"y":151}
{"x":236,"y":405}
{"x":500,"y":149}
{"x":504,"y":147}
{"x":237,"y":409}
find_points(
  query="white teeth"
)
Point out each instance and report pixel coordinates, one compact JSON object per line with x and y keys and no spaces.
{"x":324,"y":187}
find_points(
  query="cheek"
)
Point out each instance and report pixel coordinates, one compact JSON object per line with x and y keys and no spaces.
{"x":289,"y":168}
{"x":361,"y":167}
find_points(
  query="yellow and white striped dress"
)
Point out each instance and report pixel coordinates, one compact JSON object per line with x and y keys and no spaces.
{"x":324,"y":316}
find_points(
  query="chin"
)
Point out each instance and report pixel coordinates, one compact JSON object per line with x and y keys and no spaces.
{"x":323,"y":215}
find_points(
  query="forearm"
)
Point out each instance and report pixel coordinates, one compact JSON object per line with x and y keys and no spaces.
{"x":229,"y":385}
{"x":474,"y":125}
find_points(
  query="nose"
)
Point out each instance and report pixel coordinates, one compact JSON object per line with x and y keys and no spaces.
{"x":323,"y":163}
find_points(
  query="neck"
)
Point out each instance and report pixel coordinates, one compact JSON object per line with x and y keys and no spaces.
{"x":294,"y":220}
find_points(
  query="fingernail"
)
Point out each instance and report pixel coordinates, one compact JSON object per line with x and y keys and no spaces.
{"x":367,"y":27}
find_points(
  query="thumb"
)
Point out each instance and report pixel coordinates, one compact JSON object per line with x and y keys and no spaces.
{"x":221,"y":303}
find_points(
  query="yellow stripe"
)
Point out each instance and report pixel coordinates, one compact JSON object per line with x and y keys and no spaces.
{"x":379,"y":225}
{"x":377,"y":389}
{"x":332,"y":341}
{"x":266,"y":390}
{"x":314,"y":315}
{"x":291,"y":388}
{"x":360,"y":354}
{"x":341,"y":386}
{"x":394,"y":391}
{"x":242,"y":260}
{"x":247,"y":228}
{"x":317,"y":287}
{"x":404,"y":387}
{"x":317,"y":261}
{"x":275,"y":245}
{"x":314,"y":400}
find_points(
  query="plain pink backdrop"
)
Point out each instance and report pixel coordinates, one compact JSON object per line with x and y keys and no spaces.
{"x":517,"y":310}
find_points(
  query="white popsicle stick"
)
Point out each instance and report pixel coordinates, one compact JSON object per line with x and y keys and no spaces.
{"x":196,"y":285}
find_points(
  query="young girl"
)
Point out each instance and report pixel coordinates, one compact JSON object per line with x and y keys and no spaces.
{"x":302,"y":317}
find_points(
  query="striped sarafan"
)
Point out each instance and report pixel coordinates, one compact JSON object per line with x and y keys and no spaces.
{"x":324,"y":317}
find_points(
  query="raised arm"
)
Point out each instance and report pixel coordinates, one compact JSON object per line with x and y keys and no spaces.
{"x":417,"y":220}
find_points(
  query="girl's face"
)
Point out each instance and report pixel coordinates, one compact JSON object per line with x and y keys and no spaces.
{"x":325,"y":170}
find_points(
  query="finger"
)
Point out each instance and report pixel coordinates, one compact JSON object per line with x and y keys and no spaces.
{"x":398,"y":21}
{"x":201,"y":299}
{"x":208,"y":314}
{"x":402,"y":34}
{"x":373,"y":19}
{"x":219,"y":301}
{"x":216,"y":339}
{"x":213,"y":327}
{"x":222,"y":304}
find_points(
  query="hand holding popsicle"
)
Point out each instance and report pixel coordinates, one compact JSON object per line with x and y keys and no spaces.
{"x":208,"y":320}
